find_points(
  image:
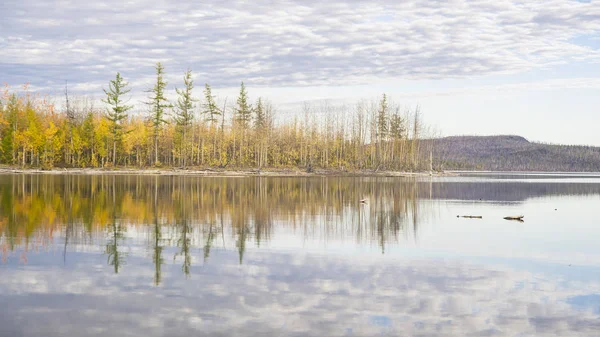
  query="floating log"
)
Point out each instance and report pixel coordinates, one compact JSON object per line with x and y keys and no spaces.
{"x":470,"y":216}
{"x":518,"y":217}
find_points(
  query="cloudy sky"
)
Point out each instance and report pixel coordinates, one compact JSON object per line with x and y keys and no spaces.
{"x":475,"y":67}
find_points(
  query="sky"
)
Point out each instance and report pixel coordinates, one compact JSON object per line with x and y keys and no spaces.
{"x":484,"y":67}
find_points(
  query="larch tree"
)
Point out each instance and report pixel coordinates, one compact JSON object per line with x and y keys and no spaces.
{"x":117,"y":111}
{"x":184,"y":110}
{"x":158,"y":103}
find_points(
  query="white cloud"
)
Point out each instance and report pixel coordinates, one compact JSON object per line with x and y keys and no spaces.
{"x":290,"y":43}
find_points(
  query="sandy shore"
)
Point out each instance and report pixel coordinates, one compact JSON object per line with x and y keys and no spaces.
{"x":217,"y":172}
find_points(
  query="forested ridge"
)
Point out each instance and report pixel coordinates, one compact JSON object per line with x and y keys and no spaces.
{"x":198,"y":130}
{"x":512,"y":153}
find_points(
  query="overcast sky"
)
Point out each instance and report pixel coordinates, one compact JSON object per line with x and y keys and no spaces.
{"x":475,"y":67}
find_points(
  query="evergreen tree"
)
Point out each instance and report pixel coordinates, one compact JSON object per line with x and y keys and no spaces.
{"x":158,"y":103}
{"x":8,"y":136}
{"x":382,"y":130}
{"x":71,"y":121}
{"x":87,"y":131}
{"x":244,"y":108}
{"x":184,"y":110}
{"x":210,"y":108}
{"x":117,"y":111}
{"x":382,"y":117}
{"x":260,"y":120}
{"x":397,"y":128}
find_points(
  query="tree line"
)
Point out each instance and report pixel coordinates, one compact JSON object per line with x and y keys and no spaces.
{"x":196,"y":130}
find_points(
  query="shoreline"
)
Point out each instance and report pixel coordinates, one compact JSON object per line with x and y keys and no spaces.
{"x":220,"y":172}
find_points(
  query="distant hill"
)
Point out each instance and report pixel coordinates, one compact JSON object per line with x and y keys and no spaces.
{"x":512,"y":153}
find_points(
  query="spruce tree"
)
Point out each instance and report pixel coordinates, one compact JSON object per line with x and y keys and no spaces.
{"x":11,"y":111}
{"x":397,"y":128}
{"x":210,"y":108}
{"x":184,"y":109}
{"x":382,"y":117}
{"x":382,"y":130}
{"x":244,"y":108}
{"x":158,"y":103}
{"x":260,"y":120}
{"x":117,"y":111}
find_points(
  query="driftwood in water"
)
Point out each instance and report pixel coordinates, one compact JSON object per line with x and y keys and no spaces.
{"x":517,"y":218}
{"x":470,"y":216}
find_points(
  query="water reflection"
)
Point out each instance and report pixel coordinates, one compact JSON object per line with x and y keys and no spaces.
{"x":296,"y":295}
{"x":191,"y":212}
{"x":156,"y":256}
{"x":498,"y":190}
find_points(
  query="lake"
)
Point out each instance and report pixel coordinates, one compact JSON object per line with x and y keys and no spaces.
{"x":127,"y":255}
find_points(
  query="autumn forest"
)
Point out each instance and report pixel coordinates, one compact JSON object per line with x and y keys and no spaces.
{"x":196,"y":129}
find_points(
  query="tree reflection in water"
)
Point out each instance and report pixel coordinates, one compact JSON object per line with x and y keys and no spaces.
{"x":188,"y":213}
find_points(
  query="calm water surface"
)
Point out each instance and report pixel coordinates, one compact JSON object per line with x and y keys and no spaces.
{"x":195,"y":256}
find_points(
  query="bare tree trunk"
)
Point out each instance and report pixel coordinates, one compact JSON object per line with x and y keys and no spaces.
{"x":156,"y":147}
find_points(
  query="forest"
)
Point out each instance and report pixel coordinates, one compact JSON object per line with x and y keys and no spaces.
{"x":198,"y":130}
{"x":512,"y":153}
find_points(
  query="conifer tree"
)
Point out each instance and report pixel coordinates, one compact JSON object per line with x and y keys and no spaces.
{"x":184,"y":109}
{"x":87,"y":130}
{"x":117,"y":111}
{"x":11,"y":110}
{"x":158,"y":103}
{"x":397,"y":128}
{"x":260,"y":120}
{"x":382,"y":117}
{"x":243,"y":109}
{"x":243,"y":118}
{"x":382,"y":129}
{"x":210,"y":108}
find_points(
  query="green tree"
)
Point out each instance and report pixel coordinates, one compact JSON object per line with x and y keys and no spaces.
{"x":243,"y":109}
{"x":8,"y":136}
{"x":184,"y":110}
{"x":260,"y":120}
{"x":382,"y":117}
{"x":117,"y":112}
{"x":397,"y":128}
{"x":382,"y":130}
{"x":87,"y":135}
{"x":210,"y":108}
{"x":158,"y":103}
{"x":243,"y":117}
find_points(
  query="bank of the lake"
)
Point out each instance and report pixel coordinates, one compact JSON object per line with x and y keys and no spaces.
{"x":215,"y":172}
